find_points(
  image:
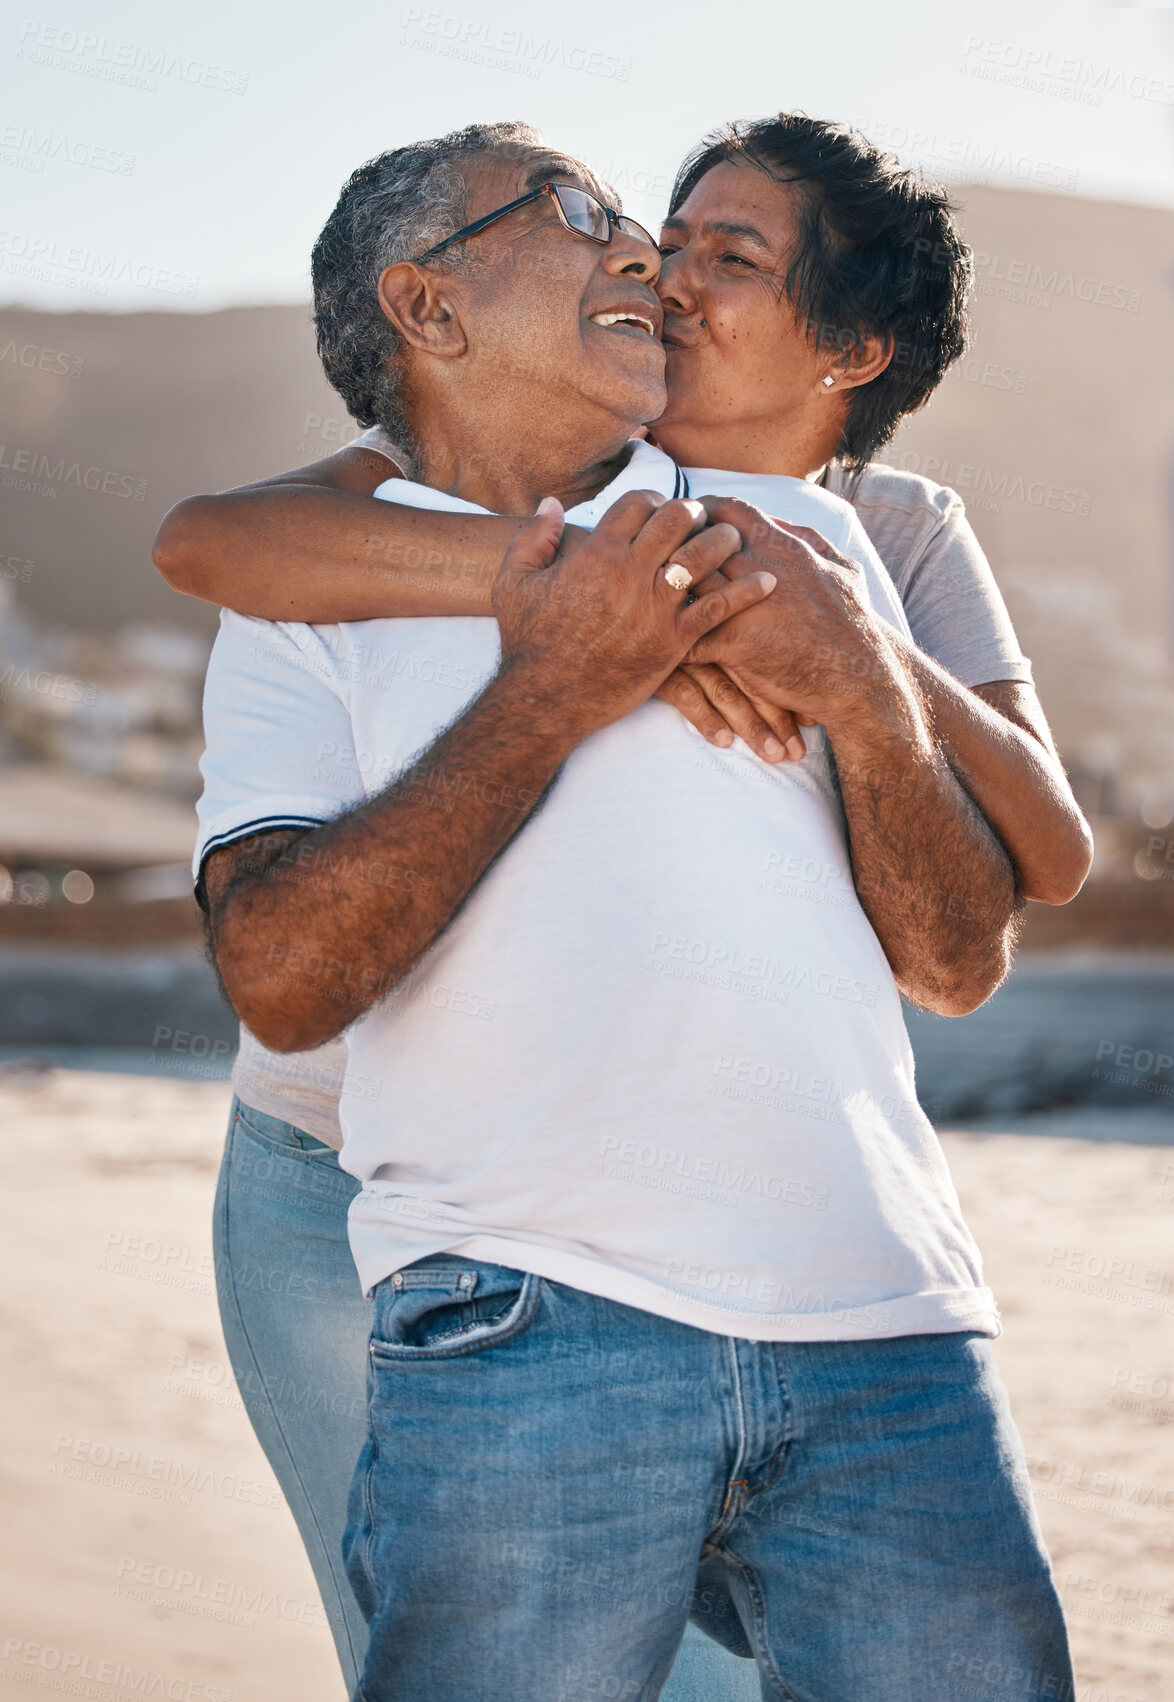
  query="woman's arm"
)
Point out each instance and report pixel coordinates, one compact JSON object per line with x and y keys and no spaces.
{"x":994,"y":735}
{"x":1003,"y":753}
{"x":963,"y":635}
{"x":996,"y":738}
{"x":316,"y":545}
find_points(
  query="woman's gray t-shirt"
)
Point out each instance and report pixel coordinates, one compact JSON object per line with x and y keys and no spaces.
{"x":920,"y":531}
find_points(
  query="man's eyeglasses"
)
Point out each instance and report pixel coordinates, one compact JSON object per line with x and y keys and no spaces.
{"x":578,"y":212}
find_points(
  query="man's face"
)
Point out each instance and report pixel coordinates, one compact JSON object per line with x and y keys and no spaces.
{"x":533,"y":296}
{"x":735,"y":352}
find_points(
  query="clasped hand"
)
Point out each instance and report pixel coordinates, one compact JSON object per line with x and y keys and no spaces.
{"x":776,"y":633}
{"x":807,"y":653}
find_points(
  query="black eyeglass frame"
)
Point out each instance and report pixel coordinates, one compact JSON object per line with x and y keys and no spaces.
{"x":614,"y":219}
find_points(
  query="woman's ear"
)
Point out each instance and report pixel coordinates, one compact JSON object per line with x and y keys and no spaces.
{"x":863,"y":362}
{"x":423,"y":307}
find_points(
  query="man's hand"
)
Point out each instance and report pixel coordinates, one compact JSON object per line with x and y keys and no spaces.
{"x":584,"y":641}
{"x":708,"y":698}
{"x":589,"y":635}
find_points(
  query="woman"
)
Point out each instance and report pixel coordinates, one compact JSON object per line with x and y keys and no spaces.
{"x":813,"y":296}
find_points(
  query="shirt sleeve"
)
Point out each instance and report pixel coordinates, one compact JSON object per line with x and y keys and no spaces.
{"x":279,"y":745}
{"x":956,"y":611}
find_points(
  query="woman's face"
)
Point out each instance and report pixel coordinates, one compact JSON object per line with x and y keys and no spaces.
{"x":744,"y":379}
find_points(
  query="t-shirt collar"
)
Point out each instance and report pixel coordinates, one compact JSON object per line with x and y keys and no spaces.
{"x":647,"y":468}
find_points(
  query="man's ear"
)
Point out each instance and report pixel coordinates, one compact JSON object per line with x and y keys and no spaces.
{"x":861,"y":364}
{"x":423,"y":307}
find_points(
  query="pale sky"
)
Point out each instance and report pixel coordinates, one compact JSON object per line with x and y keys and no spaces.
{"x":158,"y":159}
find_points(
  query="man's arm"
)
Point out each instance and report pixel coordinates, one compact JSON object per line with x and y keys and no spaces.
{"x":935,"y":882}
{"x":584,"y":641}
{"x":302,"y":952}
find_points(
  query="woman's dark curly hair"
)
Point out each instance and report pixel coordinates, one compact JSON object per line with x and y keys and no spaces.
{"x":878,"y":254}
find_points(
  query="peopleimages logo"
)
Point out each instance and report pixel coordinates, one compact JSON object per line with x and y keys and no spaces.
{"x":482,"y":43}
{"x":988,"y":487}
{"x":1036,"y":285}
{"x":88,"y":268}
{"x":30,"y":150}
{"x":215,"y":1597}
{"x":127,"y":62}
{"x":44,"y":683}
{"x":963,"y":157}
{"x":1045,"y":72}
{"x":70,"y":1667}
{"x":35,"y":467}
{"x":118,"y":1466}
{"x":34,"y":357}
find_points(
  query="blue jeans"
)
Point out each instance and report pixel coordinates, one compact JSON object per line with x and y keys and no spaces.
{"x":552,"y":1483}
{"x":297,"y":1330}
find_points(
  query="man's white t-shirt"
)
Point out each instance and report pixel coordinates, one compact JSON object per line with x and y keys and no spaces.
{"x":658,"y":1054}
{"x":953,"y":608}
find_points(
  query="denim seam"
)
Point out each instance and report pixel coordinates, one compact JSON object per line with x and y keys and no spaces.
{"x":762,"y":1654}
{"x":773,"y":1469}
{"x":230,"y":1284}
{"x":365,"y":1551}
{"x":732,"y":1500}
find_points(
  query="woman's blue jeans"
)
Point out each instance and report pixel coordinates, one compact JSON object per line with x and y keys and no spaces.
{"x":297,"y":1331}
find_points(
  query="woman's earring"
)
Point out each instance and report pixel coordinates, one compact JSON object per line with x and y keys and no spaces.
{"x":829,"y":381}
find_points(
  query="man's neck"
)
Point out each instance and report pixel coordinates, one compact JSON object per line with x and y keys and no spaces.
{"x":795,"y":448}
{"x":510,"y":467}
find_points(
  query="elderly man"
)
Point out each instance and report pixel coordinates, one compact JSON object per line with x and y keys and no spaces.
{"x":674,"y":1303}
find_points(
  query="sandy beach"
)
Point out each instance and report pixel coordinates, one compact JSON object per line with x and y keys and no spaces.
{"x":125,"y":1577}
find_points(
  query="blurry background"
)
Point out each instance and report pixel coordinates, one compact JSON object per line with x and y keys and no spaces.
{"x":162,"y":178}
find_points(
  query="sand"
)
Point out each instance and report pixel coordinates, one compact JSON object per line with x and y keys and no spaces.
{"x":119,"y":1581}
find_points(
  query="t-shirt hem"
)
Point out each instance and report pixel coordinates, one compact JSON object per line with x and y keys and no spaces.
{"x":316,"y":1121}
{"x":989,"y":673}
{"x":931,"y":1312}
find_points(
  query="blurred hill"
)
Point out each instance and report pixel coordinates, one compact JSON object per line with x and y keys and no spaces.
{"x":1058,"y":430}
{"x":123,"y":414}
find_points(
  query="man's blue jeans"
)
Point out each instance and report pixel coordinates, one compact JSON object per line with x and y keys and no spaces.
{"x":553,"y":1482}
{"x":297,"y":1330}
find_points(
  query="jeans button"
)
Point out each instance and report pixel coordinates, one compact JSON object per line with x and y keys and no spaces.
{"x":397,"y":1280}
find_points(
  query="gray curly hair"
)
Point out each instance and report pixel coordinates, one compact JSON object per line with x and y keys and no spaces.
{"x":391,"y":209}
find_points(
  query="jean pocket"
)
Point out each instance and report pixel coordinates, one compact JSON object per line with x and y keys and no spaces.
{"x":441,"y":1309}
{"x":284,"y":1138}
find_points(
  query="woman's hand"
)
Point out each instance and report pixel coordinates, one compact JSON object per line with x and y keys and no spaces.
{"x":721,"y":711}
{"x":720,"y":707}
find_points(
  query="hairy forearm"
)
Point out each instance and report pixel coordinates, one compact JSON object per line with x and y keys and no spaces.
{"x":930,"y":872}
{"x":1014,"y":779}
{"x":304,"y":552}
{"x":307,"y":940}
